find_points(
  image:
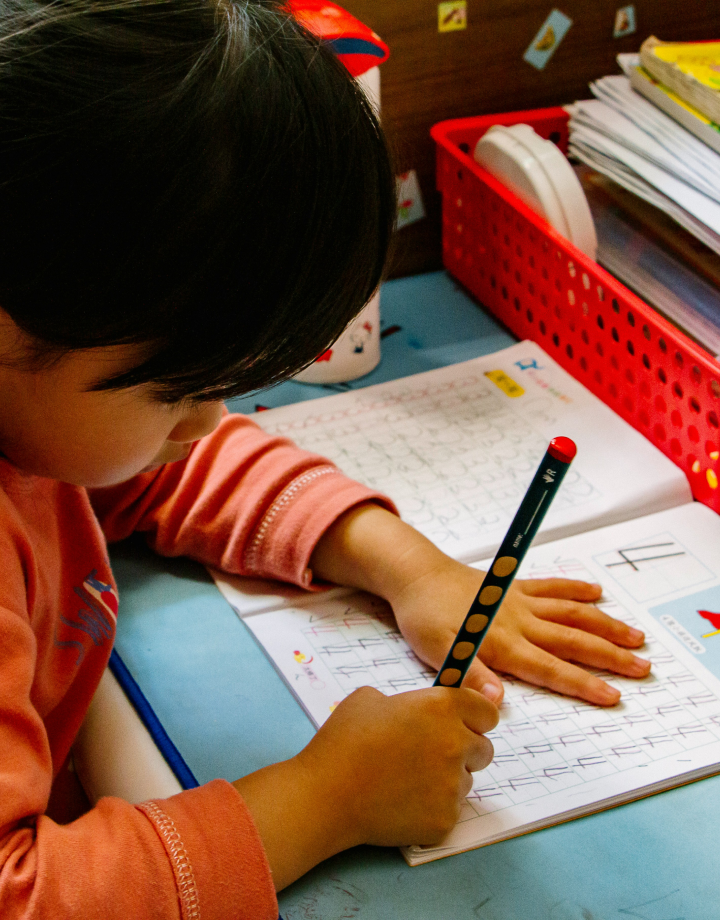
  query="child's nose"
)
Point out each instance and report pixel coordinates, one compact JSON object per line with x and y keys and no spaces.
{"x":200,"y":421}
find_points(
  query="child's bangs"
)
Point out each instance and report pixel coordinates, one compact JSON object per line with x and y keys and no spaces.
{"x":218,"y":193}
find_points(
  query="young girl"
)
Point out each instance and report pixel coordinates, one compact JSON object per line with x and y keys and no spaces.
{"x":195,"y":200}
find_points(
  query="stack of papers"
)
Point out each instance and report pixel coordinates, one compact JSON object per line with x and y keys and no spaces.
{"x":623,"y":136}
{"x":654,"y":273}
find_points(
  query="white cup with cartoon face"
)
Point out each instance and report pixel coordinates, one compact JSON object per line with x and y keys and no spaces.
{"x":354,"y":354}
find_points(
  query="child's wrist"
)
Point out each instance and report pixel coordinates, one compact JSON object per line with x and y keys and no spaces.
{"x":372,"y":549}
{"x":299,"y":815}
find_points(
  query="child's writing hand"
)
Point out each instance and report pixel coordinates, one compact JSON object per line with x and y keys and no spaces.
{"x":403,"y":763}
{"x":389,"y":771}
{"x":544,"y":630}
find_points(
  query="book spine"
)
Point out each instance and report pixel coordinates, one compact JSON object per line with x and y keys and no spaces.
{"x":687,"y":116}
{"x":688,"y":87}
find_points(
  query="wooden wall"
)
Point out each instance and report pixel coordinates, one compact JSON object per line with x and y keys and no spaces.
{"x":432,"y":76}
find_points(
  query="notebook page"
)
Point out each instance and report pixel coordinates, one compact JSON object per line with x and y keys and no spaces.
{"x":456,"y":448}
{"x":555,"y":757}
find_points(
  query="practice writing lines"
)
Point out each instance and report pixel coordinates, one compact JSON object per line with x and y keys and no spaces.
{"x":327,"y":651}
{"x":456,"y":460}
{"x":545,"y":742}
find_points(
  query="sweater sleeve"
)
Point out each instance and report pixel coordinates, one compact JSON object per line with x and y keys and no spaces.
{"x":243,"y":501}
{"x":195,"y":855}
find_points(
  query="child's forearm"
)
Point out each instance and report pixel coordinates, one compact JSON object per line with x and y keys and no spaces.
{"x":299,"y":822}
{"x":370,"y":548}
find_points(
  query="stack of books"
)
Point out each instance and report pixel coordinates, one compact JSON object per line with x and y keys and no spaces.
{"x":653,"y":134}
{"x":683,"y":79}
{"x":644,"y":81}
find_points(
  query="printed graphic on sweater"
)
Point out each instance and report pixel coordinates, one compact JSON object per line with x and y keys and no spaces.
{"x":96,"y":615}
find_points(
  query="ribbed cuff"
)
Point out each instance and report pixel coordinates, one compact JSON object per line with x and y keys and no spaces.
{"x":216,"y":854}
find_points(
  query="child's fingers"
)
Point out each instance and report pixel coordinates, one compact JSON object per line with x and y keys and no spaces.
{"x":588,"y":618}
{"x":595,"y":652}
{"x":562,"y":588}
{"x":477,"y":713}
{"x":479,"y":677}
{"x":479,"y":756}
{"x":465,"y":785}
{"x":539,"y":667}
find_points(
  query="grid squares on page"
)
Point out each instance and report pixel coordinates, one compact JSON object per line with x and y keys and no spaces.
{"x":456,"y":446}
{"x":546,"y":743}
{"x":361,"y":650}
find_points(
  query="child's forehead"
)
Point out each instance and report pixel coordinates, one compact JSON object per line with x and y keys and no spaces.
{"x":73,"y":370}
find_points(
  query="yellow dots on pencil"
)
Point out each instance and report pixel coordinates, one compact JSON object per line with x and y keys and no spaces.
{"x":463,"y":650}
{"x":476,"y":622}
{"x":504,"y":566}
{"x":449,"y":676}
{"x":490,"y":595}
{"x":712,"y":479}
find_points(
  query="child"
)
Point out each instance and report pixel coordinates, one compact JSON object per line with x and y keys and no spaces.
{"x":194,"y":201}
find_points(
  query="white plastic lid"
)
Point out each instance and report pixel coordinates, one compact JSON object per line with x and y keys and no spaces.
{"x":538,"y":173}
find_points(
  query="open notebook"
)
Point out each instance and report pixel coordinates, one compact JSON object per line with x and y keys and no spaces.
{"x":455,"y":448}
{"x":555,"y":758}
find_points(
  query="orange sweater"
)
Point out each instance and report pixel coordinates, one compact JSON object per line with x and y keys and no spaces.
{"x":242,"y":501}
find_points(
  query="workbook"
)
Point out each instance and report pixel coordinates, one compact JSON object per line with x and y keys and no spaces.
{"x":555,"y":758}
{"x":455,"y":448}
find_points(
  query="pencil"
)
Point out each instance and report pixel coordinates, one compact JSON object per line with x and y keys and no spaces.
{"x":501,"y":573}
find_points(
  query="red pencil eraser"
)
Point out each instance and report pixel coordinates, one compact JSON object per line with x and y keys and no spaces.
{"x":562,"y":449}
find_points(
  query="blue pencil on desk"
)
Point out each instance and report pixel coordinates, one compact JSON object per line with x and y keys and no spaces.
{"x":501,"y":573}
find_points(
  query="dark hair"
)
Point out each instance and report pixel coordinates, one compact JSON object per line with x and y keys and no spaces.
{"x":198,"y":177}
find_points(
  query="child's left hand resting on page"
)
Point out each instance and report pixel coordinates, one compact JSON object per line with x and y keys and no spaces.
{"x":543,"y":633}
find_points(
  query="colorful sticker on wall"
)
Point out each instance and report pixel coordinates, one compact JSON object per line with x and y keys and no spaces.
{"x":452,"y":16}
{"x":410,"y":203}
{"x":549,"y":36}
{"x":625,"y":23}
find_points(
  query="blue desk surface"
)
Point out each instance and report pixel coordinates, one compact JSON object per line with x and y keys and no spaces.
{"x":228,"y":712}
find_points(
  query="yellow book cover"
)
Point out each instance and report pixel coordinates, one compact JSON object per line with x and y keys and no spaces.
{"x":690,"y":69}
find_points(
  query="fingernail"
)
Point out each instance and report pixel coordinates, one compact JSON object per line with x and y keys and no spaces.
{"x":640,"y":665}
{"x":611,"y":694}
{"x":636,"y":634}
{"x":491,"y":692}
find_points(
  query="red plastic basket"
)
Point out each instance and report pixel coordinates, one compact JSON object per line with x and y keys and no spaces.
{"x":543,"y":288}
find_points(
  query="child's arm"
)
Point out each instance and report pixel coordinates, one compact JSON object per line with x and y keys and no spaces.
{"x":541,"y":627}
{"x":389,"y":771}
{"x":253,"y":504}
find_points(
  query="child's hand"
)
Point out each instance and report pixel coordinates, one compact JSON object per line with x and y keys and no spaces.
{"x":389,"y":771}
{"x":403,"y":764}
{"x":541,"y":627}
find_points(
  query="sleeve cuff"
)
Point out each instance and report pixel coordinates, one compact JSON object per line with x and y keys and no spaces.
{"x":216,"y":854}
{"x":286,"y":537}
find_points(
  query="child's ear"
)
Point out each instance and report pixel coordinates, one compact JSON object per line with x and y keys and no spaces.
{"x":197,"y":421}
